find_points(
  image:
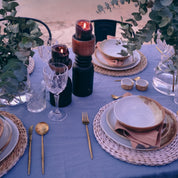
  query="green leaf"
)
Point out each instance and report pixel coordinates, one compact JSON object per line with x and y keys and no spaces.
{"x":143,"y":10}
{"x":38,"y":42}
{"x":9,"y":6}
{"x":123,"y":53}
{"x":137,"y":16}
{"x":142,"y":1}
{"x":114,"y":2}
{"x":4,"y":4}
{"x":122,"y":1}
{"x":20,"y":74}
{"x":12,"y":5}
{"x":154,"y":16}
{"x":166,"y":2}
{"x":132,"y":21}
{"x":164,"y":22}
{"x":14,"y":28}
{"x":107,"y":6}
{"x":28,"y":45}
{"x":100,"y":9}
{"x":165,"y":12}
{"x":13,"y":13}
{"x":170,"y":30}
{"x":2,"y":12}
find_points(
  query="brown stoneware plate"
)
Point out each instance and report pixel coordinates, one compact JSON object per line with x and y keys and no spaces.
{"x":139,"y":113}
{"x":168,"y":132}
{"x":112,"y":48}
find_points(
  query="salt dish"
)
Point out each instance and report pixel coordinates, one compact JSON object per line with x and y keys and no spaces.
{"x":127,"y":83}
{"x":139,"y":113}
{"x":142,"y":84}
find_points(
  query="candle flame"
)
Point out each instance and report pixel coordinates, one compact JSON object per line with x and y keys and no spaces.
{"x":84,"y":25}
{"x":61,"y":50}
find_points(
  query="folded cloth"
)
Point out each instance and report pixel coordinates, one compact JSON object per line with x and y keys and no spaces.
{"x":147,"y":139}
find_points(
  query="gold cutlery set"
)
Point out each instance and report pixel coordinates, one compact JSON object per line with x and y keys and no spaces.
{"x":42,"y":128}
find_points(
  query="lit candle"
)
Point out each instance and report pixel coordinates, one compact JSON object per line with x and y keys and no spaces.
{"x":60,"y":53}
{"x":83,"y":30}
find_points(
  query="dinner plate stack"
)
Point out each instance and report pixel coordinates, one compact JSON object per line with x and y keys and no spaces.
{"x":133,"y":117}
{"x":9,"y":136}
{"x":110,"y":54}
{"x":138,"y":130}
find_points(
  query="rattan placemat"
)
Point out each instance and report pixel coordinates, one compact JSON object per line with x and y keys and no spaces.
{"x":161,"y":156}
{"x":19,"y":149}
{"x":135,"y":70}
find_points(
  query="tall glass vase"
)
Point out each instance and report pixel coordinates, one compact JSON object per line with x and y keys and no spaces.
{"x":16,"y":98}
{"x":165,"y":76}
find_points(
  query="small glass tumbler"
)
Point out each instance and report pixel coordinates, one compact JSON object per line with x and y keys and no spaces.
{"x":37,"y":102}
{"x":176,"y":94}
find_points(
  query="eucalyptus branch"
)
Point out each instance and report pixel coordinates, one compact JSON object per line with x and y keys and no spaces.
{"x":163,"y":18}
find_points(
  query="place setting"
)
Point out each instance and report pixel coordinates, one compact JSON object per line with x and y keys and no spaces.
{"x":13,"y":141}
{"x":111,"y":58}
{"x":138,"y":130}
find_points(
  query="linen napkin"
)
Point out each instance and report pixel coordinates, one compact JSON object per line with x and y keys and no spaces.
{"x":147,"y":139}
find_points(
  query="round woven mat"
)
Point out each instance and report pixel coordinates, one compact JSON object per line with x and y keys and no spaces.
{"x":162,"y":156}
{"x":19,"y":149}
{"x":135,"y":70}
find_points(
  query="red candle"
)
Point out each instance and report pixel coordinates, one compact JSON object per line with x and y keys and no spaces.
{"x":60,"y":52}
{"x":83,"y":30}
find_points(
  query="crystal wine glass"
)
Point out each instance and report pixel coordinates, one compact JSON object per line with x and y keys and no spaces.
{"x":55,"y":77}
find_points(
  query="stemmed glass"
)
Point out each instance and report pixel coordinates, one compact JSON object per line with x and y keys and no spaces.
{"x":55,"y":77}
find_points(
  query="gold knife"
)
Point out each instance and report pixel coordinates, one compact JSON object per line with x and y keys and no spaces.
{"x":30,"y":131}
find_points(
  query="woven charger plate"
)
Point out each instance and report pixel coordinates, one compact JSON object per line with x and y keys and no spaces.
{"x":135,"y":70}
{"x":19,"y":149}
{"x":162,"y":156}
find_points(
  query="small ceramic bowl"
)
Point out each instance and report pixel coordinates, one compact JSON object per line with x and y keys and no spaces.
{"x":139,"y":113}
{"x":127,"y":83}
{"x":142,"y":84}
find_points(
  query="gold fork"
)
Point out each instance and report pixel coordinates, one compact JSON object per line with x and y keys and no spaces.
{"x":85,"y":121}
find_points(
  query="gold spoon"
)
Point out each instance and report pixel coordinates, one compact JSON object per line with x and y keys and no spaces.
{"x":41,"y":129}
{"x":136,"y":78}
{"x":115,"y":97}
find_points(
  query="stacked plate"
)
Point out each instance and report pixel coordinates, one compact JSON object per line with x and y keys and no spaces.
{"x":9,"y":136}
{"x":110,"y":54}
{"x":138,"y":114}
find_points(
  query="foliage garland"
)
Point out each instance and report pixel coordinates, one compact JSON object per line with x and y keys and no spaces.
{"x":17,"y":38}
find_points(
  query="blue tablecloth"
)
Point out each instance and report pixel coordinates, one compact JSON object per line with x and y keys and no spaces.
{"x":66,"y":147}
